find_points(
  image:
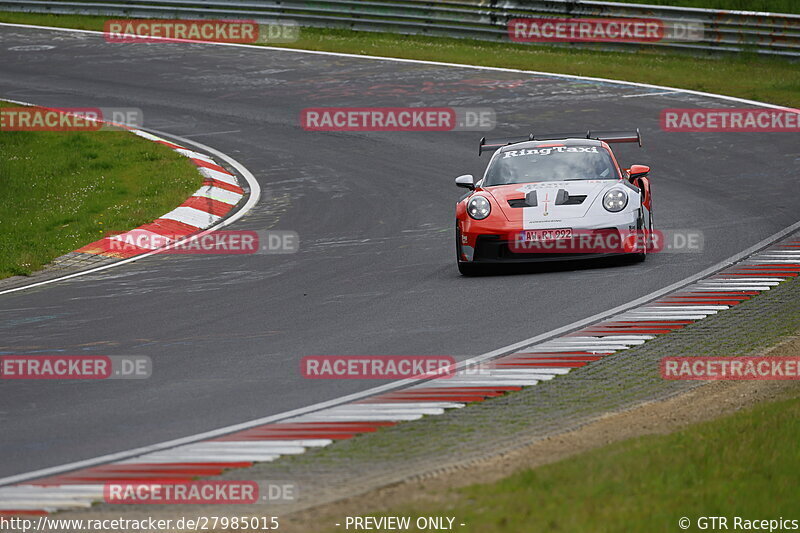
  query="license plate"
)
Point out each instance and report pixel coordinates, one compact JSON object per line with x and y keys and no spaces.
{"x":545,"y":235}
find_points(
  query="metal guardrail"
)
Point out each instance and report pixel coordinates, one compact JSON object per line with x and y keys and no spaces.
{"x":728,"y":31}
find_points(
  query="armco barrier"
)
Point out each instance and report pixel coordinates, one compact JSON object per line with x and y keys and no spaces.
{"x":722,"y":30}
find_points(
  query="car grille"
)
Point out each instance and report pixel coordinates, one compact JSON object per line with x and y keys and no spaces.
{"x":572,"y":200}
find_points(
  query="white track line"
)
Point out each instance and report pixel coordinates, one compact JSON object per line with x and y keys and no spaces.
{"x":729,"y":288}
{"x":493,"y":382}
{"x":656,"y":93}
{"x":742,"y":281}
{"x":687,"y":307}
{"x":439,"y":405}
{"x":363,"y":417}
{"x":770,"y":262}
{"x":154,"y":459}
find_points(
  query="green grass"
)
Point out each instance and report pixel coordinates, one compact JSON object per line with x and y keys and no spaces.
{"x":80,"y":22}
{"x":62,"y":190}
{"x":773,"y":6}
{"x":742,"y":465}
{"x":774,"y":80}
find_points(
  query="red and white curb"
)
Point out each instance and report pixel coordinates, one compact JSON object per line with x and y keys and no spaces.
{"x":209,"y":204}
{"x":220,"y":193}
{"x":525,"y":367}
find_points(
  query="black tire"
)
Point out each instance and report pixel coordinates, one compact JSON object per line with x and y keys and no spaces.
{"x":464,"y":267}
{"x":641,"y":256}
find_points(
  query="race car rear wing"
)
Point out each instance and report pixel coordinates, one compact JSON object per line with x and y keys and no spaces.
{"x":605,"y":136}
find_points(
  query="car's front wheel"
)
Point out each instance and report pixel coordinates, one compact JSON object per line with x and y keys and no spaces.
{"x":465,"y":267}
{"x":469,"y":269}
{"x":648,"y":236}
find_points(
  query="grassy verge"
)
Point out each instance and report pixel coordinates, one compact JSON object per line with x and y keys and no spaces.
{"x":773,"y":80}
{"x":743,"y":465}
{"x":772,"y":6}
{"x":61,"y":190}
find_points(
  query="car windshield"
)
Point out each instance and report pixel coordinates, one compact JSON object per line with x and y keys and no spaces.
{"x":554,"y":163}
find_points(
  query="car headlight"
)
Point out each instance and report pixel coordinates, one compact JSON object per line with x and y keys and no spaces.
{"x":479,"y":207}
{"x":615,"y":200}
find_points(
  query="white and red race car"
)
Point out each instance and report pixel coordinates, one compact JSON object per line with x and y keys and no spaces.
{"x":554,"y":197}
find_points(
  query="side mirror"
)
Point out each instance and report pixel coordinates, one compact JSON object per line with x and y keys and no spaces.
{"x":638,"y":171}
{"x":466,"y":181}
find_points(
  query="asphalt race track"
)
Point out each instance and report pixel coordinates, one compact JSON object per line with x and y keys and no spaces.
{"x":374,"y":211}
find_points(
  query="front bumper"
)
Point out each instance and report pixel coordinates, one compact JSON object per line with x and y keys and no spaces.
{"x":501,"y":245}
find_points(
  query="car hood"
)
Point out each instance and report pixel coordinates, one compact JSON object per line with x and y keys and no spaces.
{"x":547,"y":193}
